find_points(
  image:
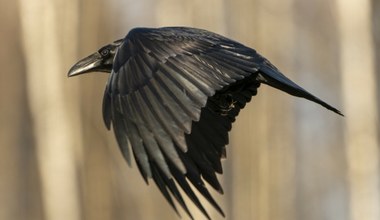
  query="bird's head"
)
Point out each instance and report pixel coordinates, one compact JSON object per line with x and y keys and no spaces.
{"x":101,"y":61}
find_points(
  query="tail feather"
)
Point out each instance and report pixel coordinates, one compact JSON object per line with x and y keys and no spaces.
{"x":274,"y":78}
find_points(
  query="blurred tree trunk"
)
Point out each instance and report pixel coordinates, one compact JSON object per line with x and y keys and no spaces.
{"x":19,"y":185}
{"x":320,"y":168}
{"x":262,"y":147}
{"x":359,"y":89}
{"x":49,"y":37}
{"x":376,"y":34}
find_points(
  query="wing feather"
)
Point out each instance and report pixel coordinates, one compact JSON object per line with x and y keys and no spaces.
{"x":213,"y":81}
{"x":147,"y":136}
{"x":163,"y":139}
{"x":166,"y":120}
{"x":180,"y":97}
{"x":135,"y":138}
{"x":120,"y":132}
{"x":189,"y":88}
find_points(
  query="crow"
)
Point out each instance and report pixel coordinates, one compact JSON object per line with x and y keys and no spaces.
{"x":171,"y":98}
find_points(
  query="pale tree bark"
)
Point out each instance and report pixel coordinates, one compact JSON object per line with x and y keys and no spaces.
{"x":359,"y":89}
{"x":261,"y":150}
{"x":95,"y":176}
{"x":376,"y":35}
{"x":320,"y":155}
{"x":19,"y":185}
{"x":48,"y":30}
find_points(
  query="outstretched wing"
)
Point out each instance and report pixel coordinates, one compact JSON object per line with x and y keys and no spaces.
{"x":163,"y":97}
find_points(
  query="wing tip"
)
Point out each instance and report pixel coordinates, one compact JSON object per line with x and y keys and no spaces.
{"x":338,"y":112}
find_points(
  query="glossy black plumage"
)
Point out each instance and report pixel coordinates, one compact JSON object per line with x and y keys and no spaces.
{"x":174,"y":93}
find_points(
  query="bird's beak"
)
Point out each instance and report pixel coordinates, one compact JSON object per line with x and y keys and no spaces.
{"x":87,"y":64}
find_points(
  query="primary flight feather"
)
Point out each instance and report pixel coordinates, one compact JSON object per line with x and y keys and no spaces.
{"x":171,"y":98}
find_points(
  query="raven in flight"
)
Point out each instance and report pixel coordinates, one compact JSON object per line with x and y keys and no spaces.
{"x":172,"y":96}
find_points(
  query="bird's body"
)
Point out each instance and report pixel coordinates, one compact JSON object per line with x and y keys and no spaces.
{"x":173,"y":94}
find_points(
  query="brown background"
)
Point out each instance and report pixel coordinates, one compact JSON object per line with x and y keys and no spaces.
{"x":288,"y":159}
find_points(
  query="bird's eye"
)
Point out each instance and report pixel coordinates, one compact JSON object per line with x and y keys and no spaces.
{"x":104,"y":52}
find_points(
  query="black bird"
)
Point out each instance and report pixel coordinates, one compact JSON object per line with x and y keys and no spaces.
{"x":173,"y":94}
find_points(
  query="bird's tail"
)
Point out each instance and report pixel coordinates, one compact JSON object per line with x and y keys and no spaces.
{"x":274,"y":78}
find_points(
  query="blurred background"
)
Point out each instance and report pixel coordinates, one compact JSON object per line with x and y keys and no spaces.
{"x":288,"y":158}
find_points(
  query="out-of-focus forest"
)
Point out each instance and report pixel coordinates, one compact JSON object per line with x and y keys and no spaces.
{"x":288,"y":158}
